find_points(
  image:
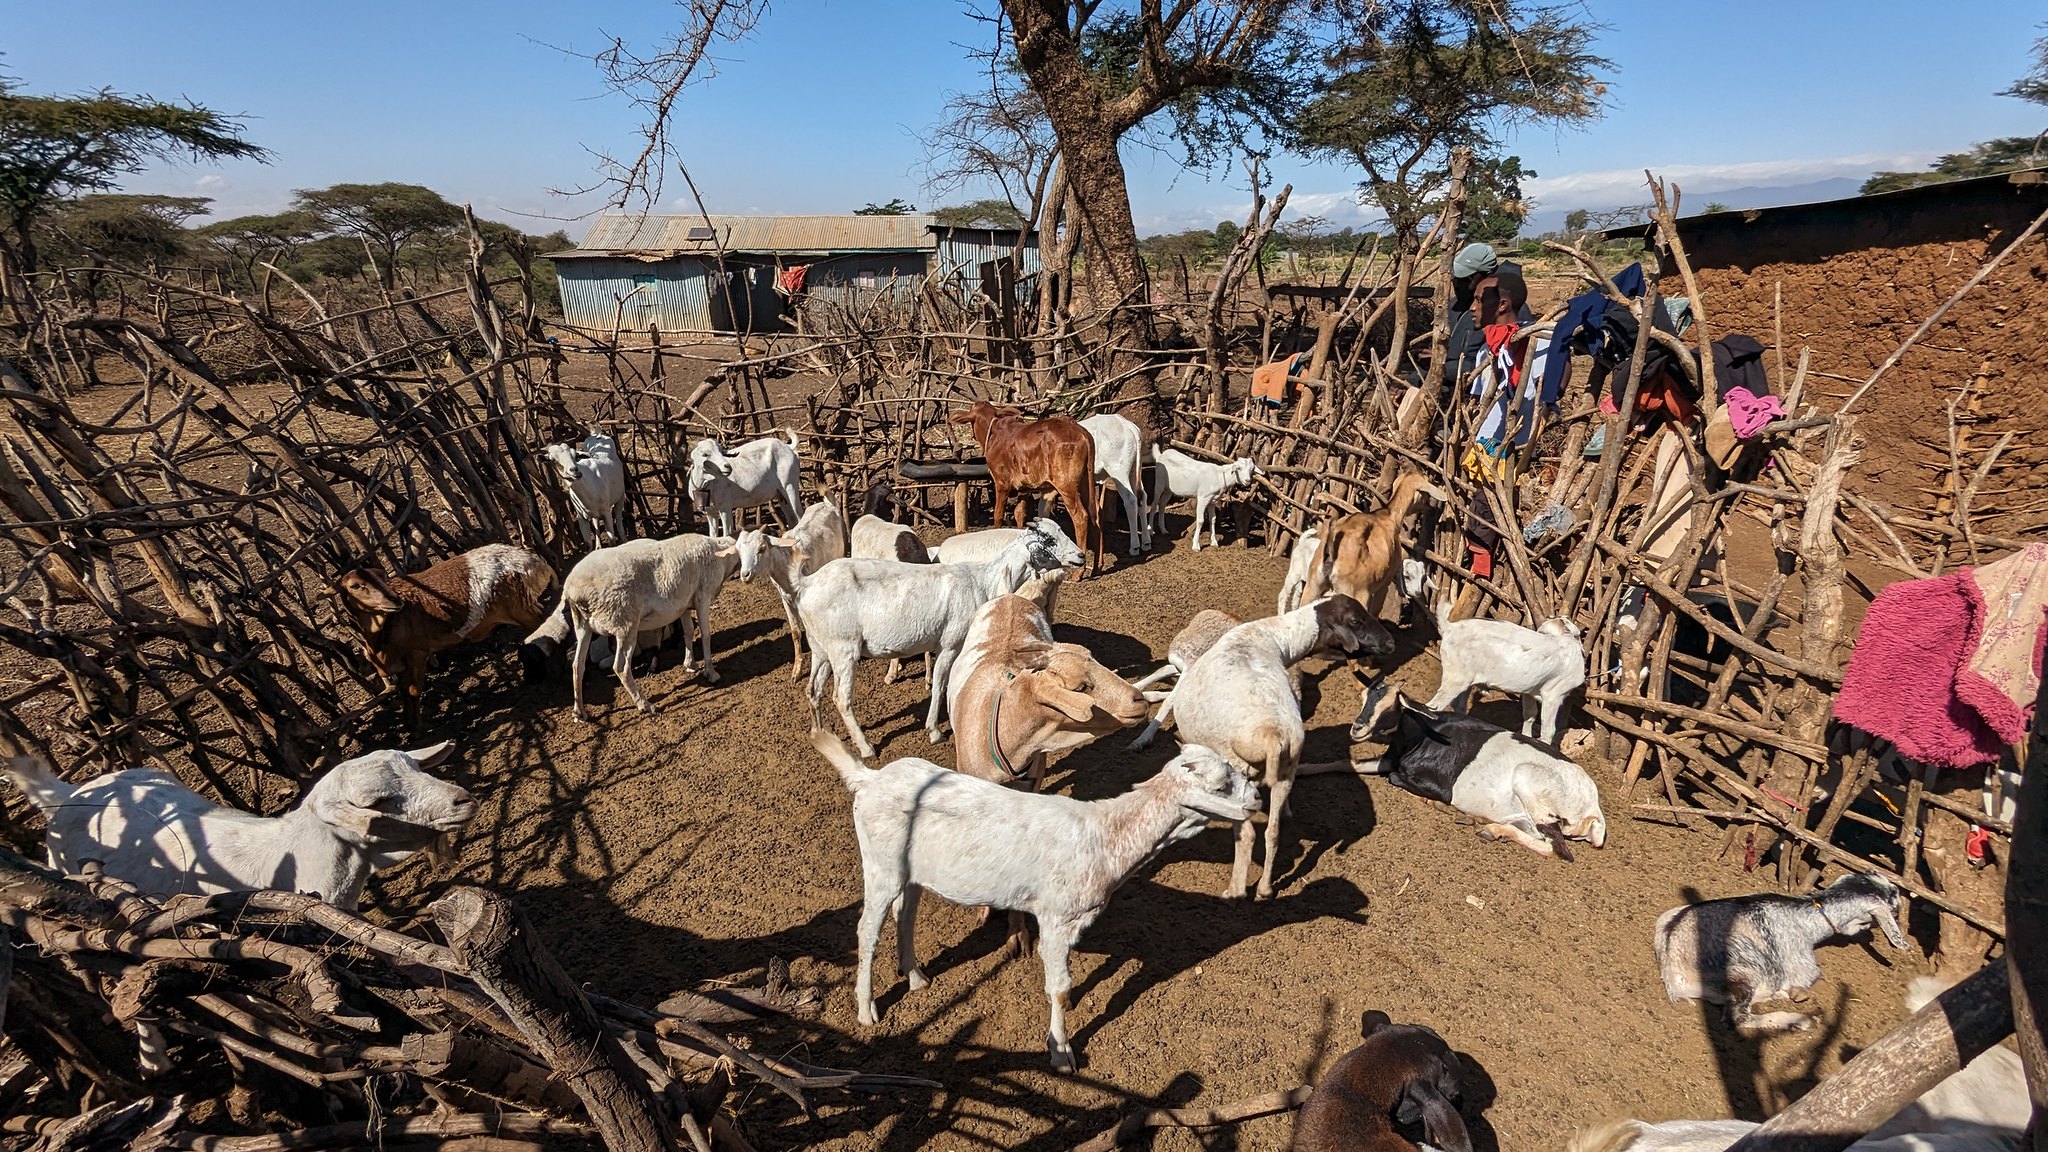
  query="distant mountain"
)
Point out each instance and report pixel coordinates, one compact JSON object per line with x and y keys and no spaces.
{"x":1837,"y":188}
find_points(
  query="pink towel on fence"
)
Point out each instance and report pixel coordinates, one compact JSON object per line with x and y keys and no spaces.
{"x":1901,"y":682}
{"x":1748,"y":412}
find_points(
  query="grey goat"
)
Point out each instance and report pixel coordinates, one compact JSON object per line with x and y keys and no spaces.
{"x":1745,"y":949}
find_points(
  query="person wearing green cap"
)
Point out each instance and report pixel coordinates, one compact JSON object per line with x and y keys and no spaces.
{"x":1472,"y":269}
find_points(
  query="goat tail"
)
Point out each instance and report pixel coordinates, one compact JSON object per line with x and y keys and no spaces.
{"x":1607,"y":1136}
{"x":852,"y":772}
{"x":32,"y":776}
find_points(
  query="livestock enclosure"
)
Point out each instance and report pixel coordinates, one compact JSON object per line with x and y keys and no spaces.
{"x":185,"y":471}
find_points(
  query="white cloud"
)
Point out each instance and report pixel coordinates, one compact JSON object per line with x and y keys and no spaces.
{"x":211,"y":182}
{"x":1619,"y":186}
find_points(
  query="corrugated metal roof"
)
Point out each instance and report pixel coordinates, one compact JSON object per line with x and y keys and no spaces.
{"x":621,"y":234}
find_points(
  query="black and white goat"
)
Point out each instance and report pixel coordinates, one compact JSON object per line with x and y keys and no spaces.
{"x":1742,"y":950}
{"x":1521,"y":789}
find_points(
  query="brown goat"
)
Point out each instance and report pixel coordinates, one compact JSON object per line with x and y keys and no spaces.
{"x":1032,"y":457}
{"x":1359,"y":551}
{"x":1401,"y":1072}
{"x":406,"y":619}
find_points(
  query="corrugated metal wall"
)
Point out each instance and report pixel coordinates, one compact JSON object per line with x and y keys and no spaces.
{"x":673,"y":295}
{"x":962,"y":251}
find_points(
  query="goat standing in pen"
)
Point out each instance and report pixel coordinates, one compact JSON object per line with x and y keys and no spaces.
{"x":1543,"y":665}
{"x":923,"y":827}
{"x":1360,"y":553}
{"x":639,"y":586}
{"x":1743,"y":950}
{"x":1119,"y":461}
{"x":1176,"y":474}
{"x":818,"y":539}
{"x":1027,"y":457}
{"x":764,"y":471}
{"x":594,"y":479}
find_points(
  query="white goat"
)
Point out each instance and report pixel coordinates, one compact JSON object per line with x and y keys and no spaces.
{"x":722,"y":483}
{"x":878,"y":533}
{"x":1198,"y":636}
{"x":974,"y":842}
{"x":1300,"y":563}
{"x":1176,"y":474}
{"x":1119,"y":460}
{"x":1543,"y":665}
{"x":148,"y":830}
{"x":818,"y":539}
{"x":641,"y":585}
{"x":860,"y":607}
{"x":1239,"y":700}
{"x":988,"y":543}
{"x":594,"y":477}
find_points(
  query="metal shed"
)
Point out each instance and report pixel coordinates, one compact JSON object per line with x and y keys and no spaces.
{"x":634,"y":271}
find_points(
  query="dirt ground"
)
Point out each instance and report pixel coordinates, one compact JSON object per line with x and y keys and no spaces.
{"x":655,"y":852}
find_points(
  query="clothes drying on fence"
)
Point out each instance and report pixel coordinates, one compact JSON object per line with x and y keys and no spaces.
{"x":1748,"y":413}
{"x":1939,"y":673}
{"x":1669,"y":512}
{"x":792,"y":279}
{"x":1269,"y":381}
{"x":1580,"y":328}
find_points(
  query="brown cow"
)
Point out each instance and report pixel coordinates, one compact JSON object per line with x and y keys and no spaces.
{"x":1032,"y":457}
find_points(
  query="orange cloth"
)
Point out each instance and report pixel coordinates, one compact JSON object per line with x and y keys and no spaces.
{"x":1269,"y":381}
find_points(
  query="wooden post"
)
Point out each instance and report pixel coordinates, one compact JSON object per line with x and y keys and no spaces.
{"x":1932,"y":1045}
{"x":960,"y":507}
{"x":494,"y":940}
{"x":2026,"y":919}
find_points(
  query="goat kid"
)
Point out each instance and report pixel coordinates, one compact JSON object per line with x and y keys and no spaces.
{"x":818,"y":539}
{"x":1401,"y":1073}
{"x":594,"y":478}
{"x":405,"y":619}
{"x":1744,"y":950}
{"x":1543,"y":665}
{"x":1239,"y":700}
{"x":1119,"y":462}
{"x":149,"y":831}
{"x":1523,"y":790}
{"x":1175,"y":475}
{"x":922,"y":827}
{"x":758,"y":472}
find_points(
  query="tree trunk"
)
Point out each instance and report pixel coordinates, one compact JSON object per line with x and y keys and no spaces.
{"x":494,"y":940}
{"x":1113,"y":271}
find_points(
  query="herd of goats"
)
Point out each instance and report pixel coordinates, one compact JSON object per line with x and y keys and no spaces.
{"x":979,"y":608}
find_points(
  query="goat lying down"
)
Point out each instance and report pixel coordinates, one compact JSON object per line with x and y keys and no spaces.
{"x":1742,"y":950}
{"x":1402,"y":1072}
{"x":1524,"y":791}
{"x":1983,"y":1107}
{"x":150,"y":831}
{"x":922,"y":827}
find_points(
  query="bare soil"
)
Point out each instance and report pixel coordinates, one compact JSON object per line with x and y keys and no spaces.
{"x":658,"y":851}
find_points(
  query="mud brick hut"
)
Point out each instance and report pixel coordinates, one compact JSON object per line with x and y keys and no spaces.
{"x":693,"y":274}
{"x":1850,"y":279}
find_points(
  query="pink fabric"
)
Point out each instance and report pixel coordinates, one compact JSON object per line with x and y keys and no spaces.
{"x":1747,"y":413}
{"x":1608,"y":405}
{"x":1901,"y":681}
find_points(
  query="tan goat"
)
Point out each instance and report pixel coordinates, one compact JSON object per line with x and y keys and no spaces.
{"x":1360,"y":552}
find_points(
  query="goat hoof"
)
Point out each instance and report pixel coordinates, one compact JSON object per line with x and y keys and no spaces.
{"x":866,"y":1017}
{"x":917,"y":979}
{"x":647,"y":706}
{"x":1062,"y":1057}
{"x":934,"y":735}
{"x":709,"y":676}
{"x":1263,"y":894}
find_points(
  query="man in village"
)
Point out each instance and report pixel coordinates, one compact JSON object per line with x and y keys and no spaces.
{"x":1476,"y":302}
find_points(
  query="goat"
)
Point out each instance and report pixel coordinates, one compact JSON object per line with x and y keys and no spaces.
{"x":1119,"y":456}
{"x":1201,"y":634}
{"x":1982,"y":1107}
{"x":151,"y":832}
{"x":1238,"y":699}
{"x":594,"y":478}
{"x":1175,"y":474}
{"x":1300,"y":560}
{"x":976,"y":843}
{"x":1544,"y":665}
{"x":818,"y":538}
{"x":859,"y":607}
{"x":1523,"y":790}
{"x":1401,"y":1072}
{"x":1359,"y":551}
{"x":631,"y":588}
{"x":405,"y":619}
{"x":722,"y":483}
{"x":1742,"y":950}
{"x":537,"y":652}
{"x":880,"y":536}
{"x":988,"y":543}
{"x":1031,"y":456}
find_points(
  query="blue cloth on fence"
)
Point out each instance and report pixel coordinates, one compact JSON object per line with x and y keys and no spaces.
{"x":1583,"y":313}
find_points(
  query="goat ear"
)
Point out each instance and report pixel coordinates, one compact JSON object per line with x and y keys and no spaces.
{"x":433,"y":754}
{"x":782,"y":541}
{"x":1075,"y":706}
{"x":1371,"y":1022}
{"x":729,"y":550}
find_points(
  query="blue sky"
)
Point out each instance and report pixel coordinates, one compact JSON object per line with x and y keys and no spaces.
{"x":821,"y":110}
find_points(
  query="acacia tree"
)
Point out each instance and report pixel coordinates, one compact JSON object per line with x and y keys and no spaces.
{"x":387,"y":216}
{"x":253,"y":240}
{"x":56,"y":148}
{"x":127,"y":229}
{"x":1413,"y":79}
